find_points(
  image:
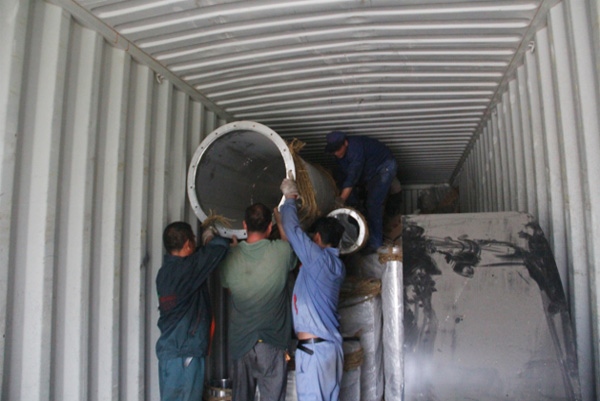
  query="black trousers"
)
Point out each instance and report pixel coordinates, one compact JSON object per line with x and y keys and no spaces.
{"x":264,"y":365}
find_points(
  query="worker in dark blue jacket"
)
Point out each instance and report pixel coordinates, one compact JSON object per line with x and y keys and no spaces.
{"x":185,"y":314}
{"x":367,"y":162}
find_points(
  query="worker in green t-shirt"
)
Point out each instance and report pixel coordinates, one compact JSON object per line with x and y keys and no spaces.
{"x":260,"y":322}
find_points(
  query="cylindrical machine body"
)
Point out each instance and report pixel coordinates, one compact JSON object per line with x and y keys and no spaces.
{"x":324,"y":189}
{"x":392,"y":296}
{"x":242,"y":163}
{"x":356,"y":232}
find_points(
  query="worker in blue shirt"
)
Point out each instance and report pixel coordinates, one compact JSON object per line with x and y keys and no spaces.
{"x":184,"y":305}
{"x":319,"y":356}
{"x":365,"y":161}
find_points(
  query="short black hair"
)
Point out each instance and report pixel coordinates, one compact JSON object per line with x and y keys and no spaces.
{"x":257,"y":217}
{"x":330,"y":229}
{"x":176,"y":234}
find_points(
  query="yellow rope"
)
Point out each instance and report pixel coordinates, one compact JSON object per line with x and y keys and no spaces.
{"x":309,"y":210}
{"x":354,"y":287}
{"x":353,"y":360}
{"x":215,"y":219}
{"x":392,"y":254}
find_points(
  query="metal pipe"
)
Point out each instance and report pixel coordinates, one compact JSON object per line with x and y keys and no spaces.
{"x":242,"y":163}
{"x":356,"y":232}
{"x":392,"y":297}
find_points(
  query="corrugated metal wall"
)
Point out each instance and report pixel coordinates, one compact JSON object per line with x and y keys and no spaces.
{"x":93,"y":161}
{"x":440,"y":198}
{"x":410,"y":198}
{"x":93,"y":154}
{"x":539,"y":152}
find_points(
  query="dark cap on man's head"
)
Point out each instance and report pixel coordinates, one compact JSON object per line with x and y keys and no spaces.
{"x":335,"y":140}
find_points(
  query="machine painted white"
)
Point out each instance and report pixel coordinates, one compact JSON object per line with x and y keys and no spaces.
{"x":97,"y":129}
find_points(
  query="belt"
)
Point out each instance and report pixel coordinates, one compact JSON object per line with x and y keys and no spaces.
{"x":315,"y":340}
{"x":309,"y":351}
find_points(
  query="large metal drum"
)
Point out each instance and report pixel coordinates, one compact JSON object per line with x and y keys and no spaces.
{"x":242,"y":163}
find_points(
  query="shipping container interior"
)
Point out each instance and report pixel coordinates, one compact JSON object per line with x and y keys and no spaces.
{"x":103,"y":103}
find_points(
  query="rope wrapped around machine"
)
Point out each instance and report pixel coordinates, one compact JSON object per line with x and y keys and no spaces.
{"x":391,"y":254}
{"x":353,"y":360}
{"x":308,"y":203}
{"x":214,"y":220}
{"x":309,"y":208}
{"x":358,"y":290}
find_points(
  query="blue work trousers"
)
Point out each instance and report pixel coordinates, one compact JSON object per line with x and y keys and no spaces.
{"x":319,"y":376}
{"x":180,"y":381}
{"x":377,"y":189}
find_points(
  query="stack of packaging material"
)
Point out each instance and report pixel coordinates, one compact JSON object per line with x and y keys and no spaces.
{"x":360,"y":316}
{"x":353,"y":359}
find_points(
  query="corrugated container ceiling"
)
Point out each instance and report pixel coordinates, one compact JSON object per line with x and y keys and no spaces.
{"x":101,"y":112}
{"x":419,"y":76}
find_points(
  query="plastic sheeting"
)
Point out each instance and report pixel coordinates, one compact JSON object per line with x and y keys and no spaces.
{"x":351,"y":382}
{"x":364,"y":265}
{"x":392,"y":292}
{"x":361,"y":316}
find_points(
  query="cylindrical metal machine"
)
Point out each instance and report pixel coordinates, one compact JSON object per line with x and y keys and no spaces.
{"x":242,"y":163}
{"x":356,"y":231}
